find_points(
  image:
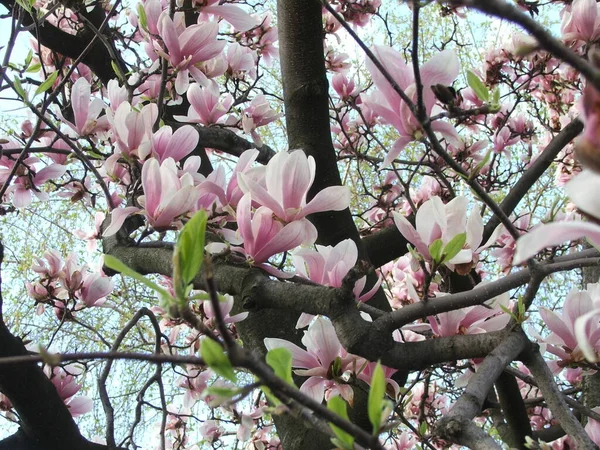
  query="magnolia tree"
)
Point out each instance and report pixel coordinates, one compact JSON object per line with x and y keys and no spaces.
{"x":305,"y":225}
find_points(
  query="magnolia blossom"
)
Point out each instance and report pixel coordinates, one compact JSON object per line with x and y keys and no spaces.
{"x":442,"y":68}
{"x":187,"y":47}
{"x":131,"y":128}
{"x":166,"y":144}
{"x":581,"y":22}
{"x":258,"y":114}
{"x":265,"y":236}
{"x":434,"y":220}
{"x":207,"y":105}
{"x":563,"y":341}
{"x":328,"y":266}
{"x":63,"y":380}
{"x":472,"y":320}
{"x":85,"y":109}
{"x":583,"y":191}
{"x":288,"y":177}
{"x":166,"y":196}
{"x":317,"y":362}
{"x":28,"y":179}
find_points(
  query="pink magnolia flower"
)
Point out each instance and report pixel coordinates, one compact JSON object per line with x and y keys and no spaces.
{"x":194,"y":382}
{"x":207,"y":105}
{"x":472,"y":320}
{"x":581,"y":21}
{"x":288,"y":178}
{"x":166,"y":196}
{"x":188,"y":47}
{"x":236,"y":16}
{"x":225,"y":306}
{"x":240,"y":61}
{"x":582,"y":190}
{"x":94,"y":289}
{"x":85,"y":109}
{"x":257,"y":114}
{"x":385,"y":102}
{"x":434,"y":220}
{"x":166,"y":144}
{"x":265,"y":236}
{"x":563,"y":342}
{"x":328,"y":266}
{"x":92,"y":235}
{"x":131,"y":128}
{"x":64,"y":382}
{"x":28,"y":179}
{"x":317,"y":362}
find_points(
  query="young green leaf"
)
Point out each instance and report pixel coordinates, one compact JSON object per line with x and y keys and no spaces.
{"x":435,"y":250}
{"x":19,"y":88}
{"x":480,"y":89}
{"x":338,"y":406}
{"x":190,"y":247}
{"x":113,"y":263}
{"x":143,"y":19}
{"x":47,"y":84}
{"x":376,"y":397}
{"x":454,"y":246}
{"x":214,"y":356}
{"x":280,"y":360}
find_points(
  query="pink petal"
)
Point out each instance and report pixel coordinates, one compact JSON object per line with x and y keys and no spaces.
{"x":408,"y":231}
{"x":236,"y":16}
{"x":398,"y":146}
{"x":557,"y":325}
{"x":314,"y":387}
{"x":152,"y":184}
{"x":321,"y":340}
{"x":49,"y":172}
{"x":183,"y":142}
{"x":300,"y":357}
{"x":552,"y":234}
{"x":292,"y":235}
{"x":582,"y":190}
{"x":332,"y":198}
{"x":80,"y":102}
{"x":117,"y":217}
{"x":260,"y":194}
{"x":583,"y":328}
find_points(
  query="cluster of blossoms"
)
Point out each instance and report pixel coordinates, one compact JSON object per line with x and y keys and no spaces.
{"x":67,"y":286}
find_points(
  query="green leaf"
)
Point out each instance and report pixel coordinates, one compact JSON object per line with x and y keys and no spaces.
{"x":423,"y":428}
{"x":116,"y":70}
{"x":376,"y":396}
{"x":47,"y":84}
{"x":478,"y":87}
{"x":220,"y":394}
{"x":496,"y":98}
{"x":454,"y":246}
{"x":190,"y":246}
{"x":142,"y":17}
{"x":338,"y":406}
{"x":435,"y":250}
{"x":113,"y":263}
{"x":480,"y":165}
{"x":280,"y":360}
{"x":34,"y":68}
{"x":19,"y":88}
{"x":342,"y":445}
{"x":25,"y":5}
{"x":214,"y":356}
